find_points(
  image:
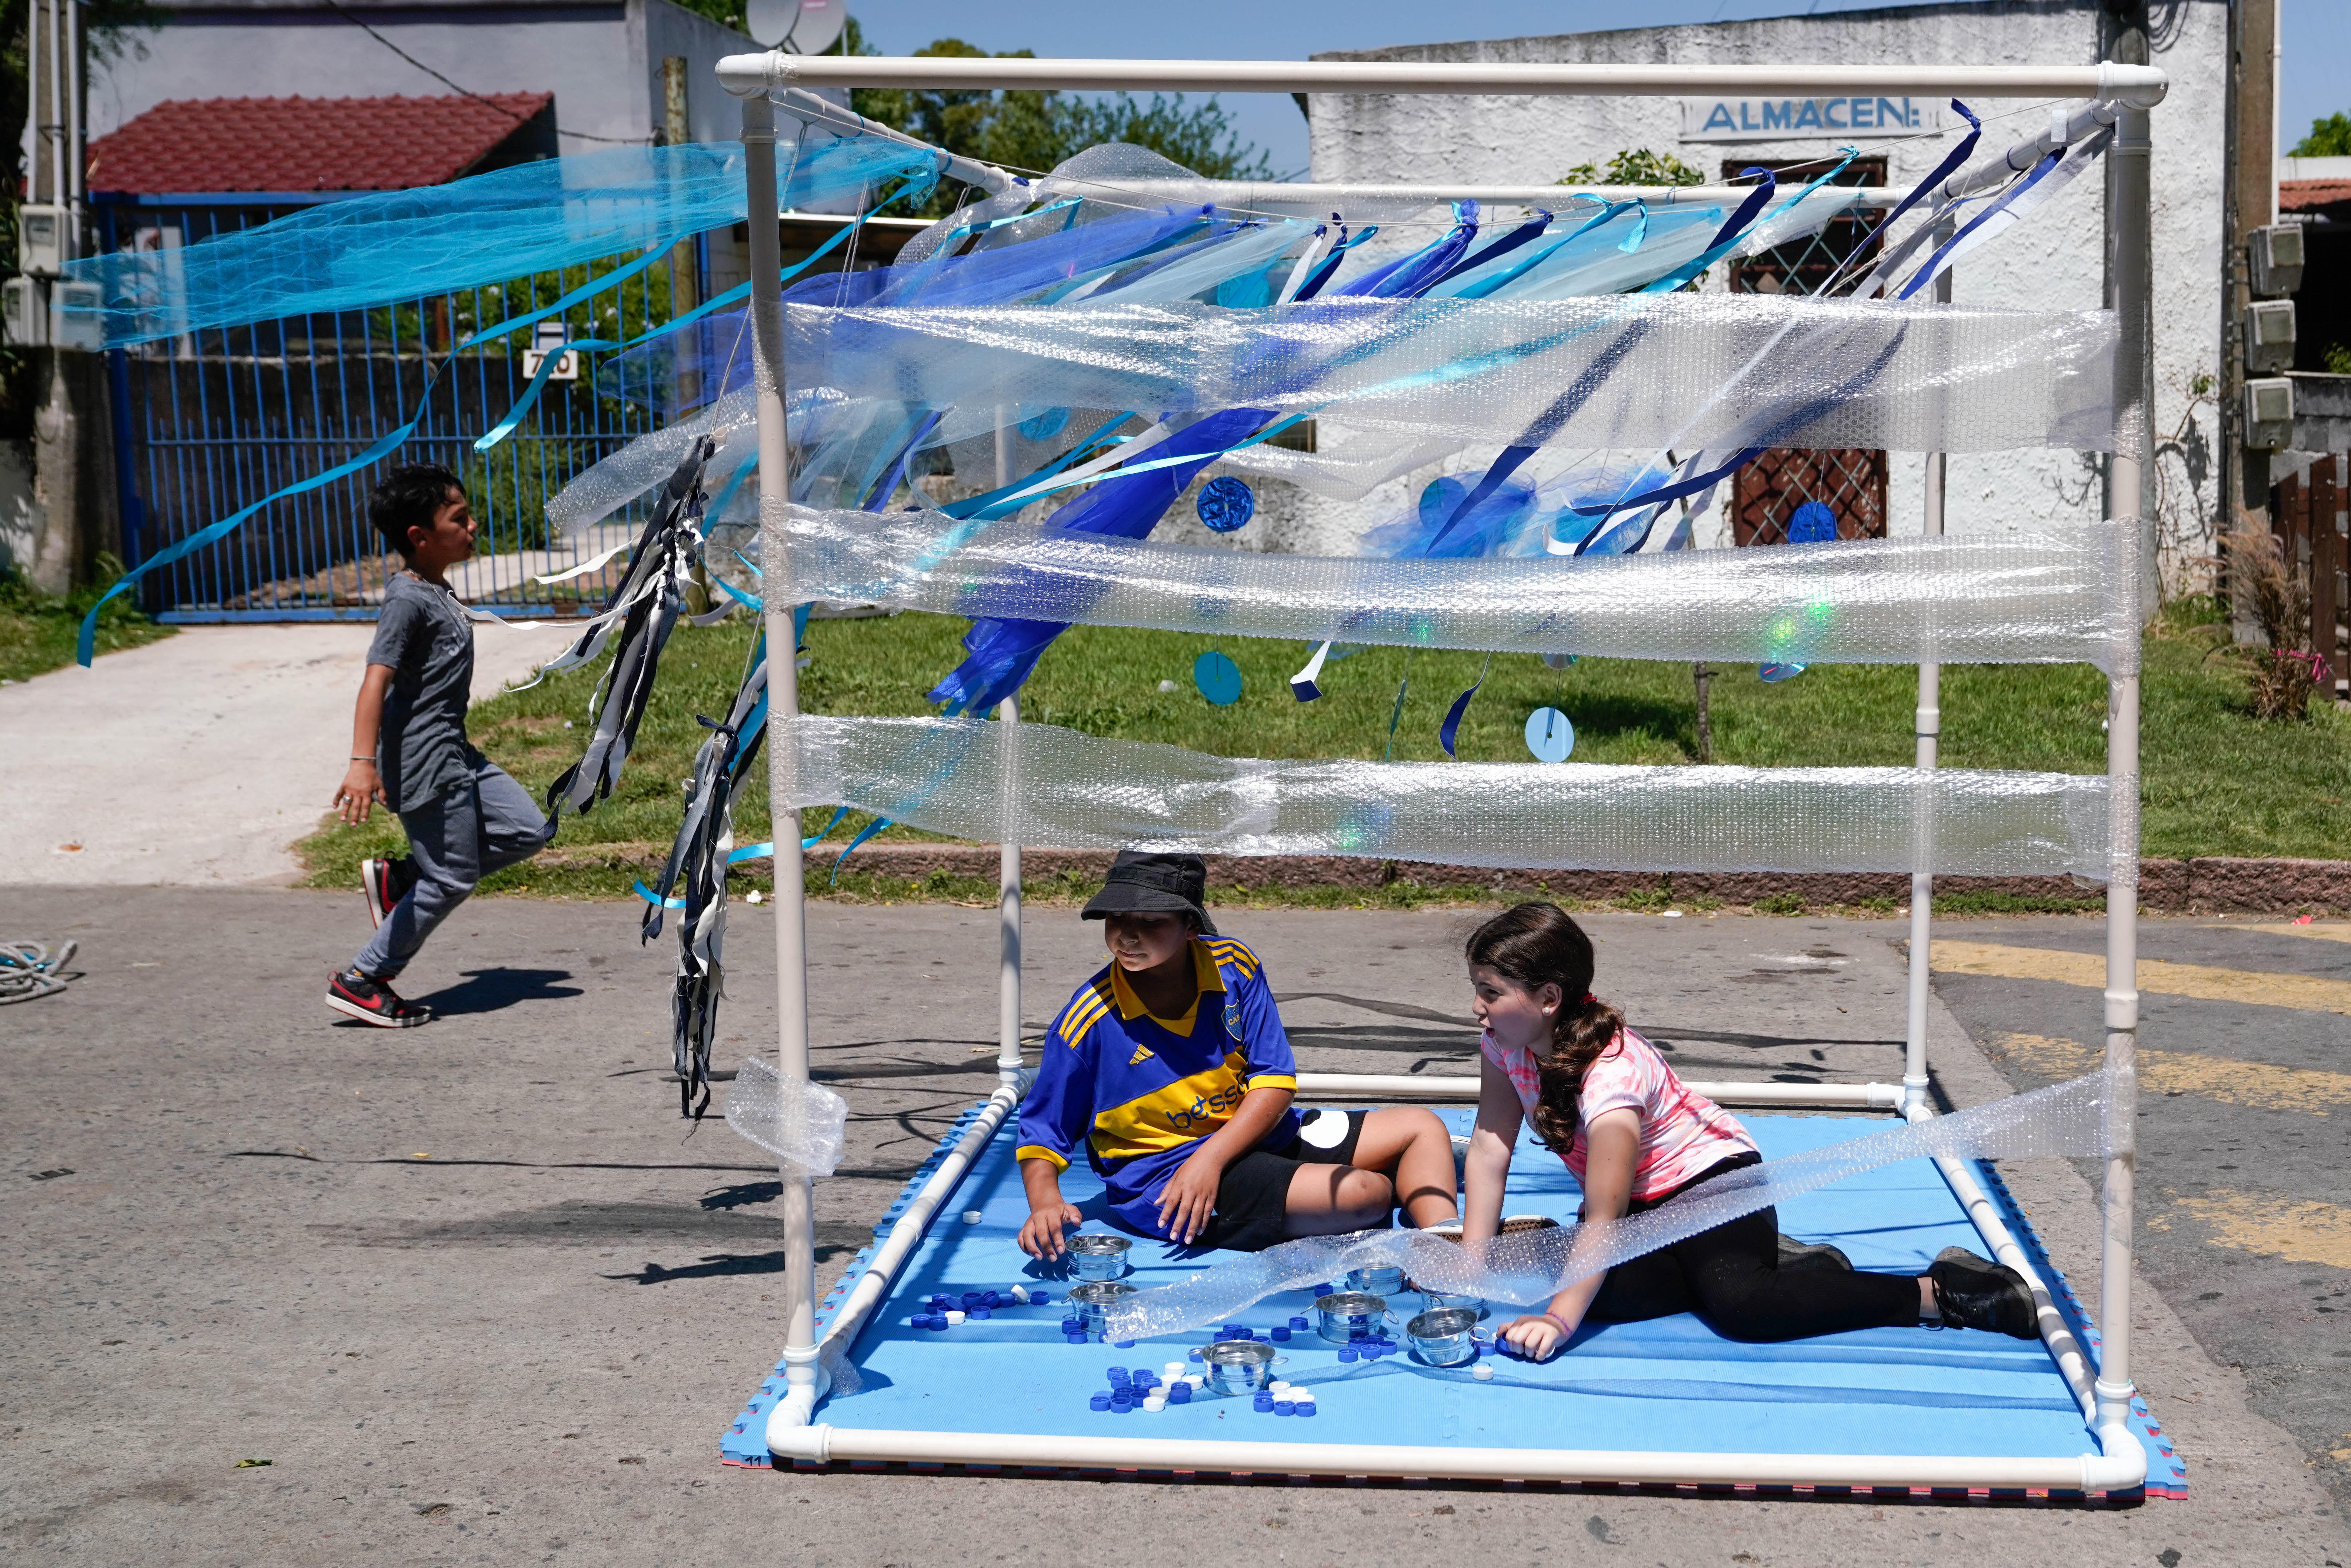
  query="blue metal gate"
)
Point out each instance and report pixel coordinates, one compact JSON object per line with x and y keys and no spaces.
{"x":210,"y":422}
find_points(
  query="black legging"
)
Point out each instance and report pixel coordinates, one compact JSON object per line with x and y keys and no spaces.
{"x":1730,"y":1277}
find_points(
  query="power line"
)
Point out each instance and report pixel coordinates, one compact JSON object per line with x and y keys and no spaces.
{"x":466,"y":92}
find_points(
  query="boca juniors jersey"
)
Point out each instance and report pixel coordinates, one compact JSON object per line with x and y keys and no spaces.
{"x":1138,"y":1093}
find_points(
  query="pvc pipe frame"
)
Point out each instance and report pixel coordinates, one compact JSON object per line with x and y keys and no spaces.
{"x":2105,"y":1395}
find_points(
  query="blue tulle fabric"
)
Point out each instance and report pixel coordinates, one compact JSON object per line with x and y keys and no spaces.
{"x":485,"y":229}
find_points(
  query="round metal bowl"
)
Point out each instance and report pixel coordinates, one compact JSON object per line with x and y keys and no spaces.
{"x":1439,"y":1300}
{"x":1095,"y":1300}
{"x":1098,"y":1257}
{"x":1347,"y":1317}
{"x":1239,"y":1366}
{"x":1445,"y":1337}
{"x":1382,"y":1280}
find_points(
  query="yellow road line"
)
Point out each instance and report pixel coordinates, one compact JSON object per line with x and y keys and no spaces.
{"x":2308,"y":993}
{"x":2308,"y":1089}
{"x":2287,"y":928}
{"x":2298,"y":1230}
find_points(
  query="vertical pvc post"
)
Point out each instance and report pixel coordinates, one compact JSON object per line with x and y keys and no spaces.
{"x":1928,"y":727}
{"x":1008,"y":869}
{"x":798,"y":1200}
{"x":2131,"y":266}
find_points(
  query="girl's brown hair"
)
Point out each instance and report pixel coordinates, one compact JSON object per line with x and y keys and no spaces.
{"x":1532,"y":946}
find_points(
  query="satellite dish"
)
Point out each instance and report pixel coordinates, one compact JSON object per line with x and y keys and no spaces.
{"x":819,"y":27}
{"x":769,"y":22}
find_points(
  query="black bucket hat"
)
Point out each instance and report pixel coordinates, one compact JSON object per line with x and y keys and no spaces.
{"x":1142,"y":883}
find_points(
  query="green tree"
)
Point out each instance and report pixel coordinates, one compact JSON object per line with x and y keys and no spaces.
{"x":1635,"y":166}
{"x":2328,"y":138}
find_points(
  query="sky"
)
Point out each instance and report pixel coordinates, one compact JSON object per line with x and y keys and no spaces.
{"x":2316,"y":82}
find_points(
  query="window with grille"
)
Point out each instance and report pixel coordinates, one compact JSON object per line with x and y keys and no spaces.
{"x":1772,"y":489}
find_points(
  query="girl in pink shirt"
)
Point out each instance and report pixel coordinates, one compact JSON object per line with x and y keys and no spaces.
{"x":1636,"y":1137}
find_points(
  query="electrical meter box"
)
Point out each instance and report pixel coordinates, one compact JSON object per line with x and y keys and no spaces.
{"x":2269,"y":337}
{"x":2276,"y":256}
{"x":25,"y":313}
{"x":2269,"y":413}
{"x":41,"y":240}
{"x":74,"y":318}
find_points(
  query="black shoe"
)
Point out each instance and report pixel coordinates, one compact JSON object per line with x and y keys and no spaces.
{"x":1975,"y":1293}
{"x":374,"y":1001}
{"x":1800,"y":1254}
{"x":385,"y":883}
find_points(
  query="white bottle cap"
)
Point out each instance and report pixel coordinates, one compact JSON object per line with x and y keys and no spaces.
{"x":1155,"y":1402}
{"x":1196,"y":1380}
{"x":1020,"y":1294}
{"x":954,"y":1317}
{"x":971,"y":1217}
{"x":1278,"y":1386}
{"x":1172,"y":1369}
{"x":1483,"y":1373}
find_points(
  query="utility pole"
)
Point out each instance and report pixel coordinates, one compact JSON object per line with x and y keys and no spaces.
{"x":2250,"y":206}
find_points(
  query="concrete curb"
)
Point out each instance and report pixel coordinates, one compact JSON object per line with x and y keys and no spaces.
{"x":2212,"y":885}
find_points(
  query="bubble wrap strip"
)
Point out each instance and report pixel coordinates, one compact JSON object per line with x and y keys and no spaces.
{"x":1612,"y":371}
{"x":2049,"y":595}
{"x":1534,"y":1266}
{"x":1080,"y":791}
{"x":800,"y":1123}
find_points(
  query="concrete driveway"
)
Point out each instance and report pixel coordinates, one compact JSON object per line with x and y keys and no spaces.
{"x":477,"y":1295}
{"x":198,"y":759}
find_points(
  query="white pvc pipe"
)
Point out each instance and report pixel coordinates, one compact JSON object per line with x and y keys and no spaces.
{"x":767,"y":71}
{"x":970,"y":171}
{"x":1387,"y":1086}
{"x":2024,"y":155}
{"x":1242,"y":194}
{"x":2128,"y":165}
{"x":1926,"y":727}
{"x":2088,"y":1472}
{"x":796,"y":1200}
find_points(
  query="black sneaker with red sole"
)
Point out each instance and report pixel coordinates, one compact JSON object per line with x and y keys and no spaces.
{"x":385,"y":884}
{"x":373,"y":1002}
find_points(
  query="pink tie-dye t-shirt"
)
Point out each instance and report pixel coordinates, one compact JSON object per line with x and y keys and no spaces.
{"x":1682,"y":1133}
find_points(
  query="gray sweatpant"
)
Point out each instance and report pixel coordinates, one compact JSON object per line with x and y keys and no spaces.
{"x":485,"y":824}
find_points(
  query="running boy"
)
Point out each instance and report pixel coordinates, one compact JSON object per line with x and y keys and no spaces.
{"x":1170,"y":1067}
{"x":464,"y":818}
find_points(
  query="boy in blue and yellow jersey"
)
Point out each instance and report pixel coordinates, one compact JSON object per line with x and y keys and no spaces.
{"x":1171,"y":1070}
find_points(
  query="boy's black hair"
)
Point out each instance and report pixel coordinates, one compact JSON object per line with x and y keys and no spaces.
{"x":407,"y":499}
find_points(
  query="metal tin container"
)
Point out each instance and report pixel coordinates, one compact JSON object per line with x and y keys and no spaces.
{"x":1346,"y":1317}
{"x":1383,"y":1280}
{"x":1239,"y":1366}
{"x":1438,"y":1300}
{"x":1093,"y":1301}
{"x":1098,"y":1257}
{"x":1445,"y":1337}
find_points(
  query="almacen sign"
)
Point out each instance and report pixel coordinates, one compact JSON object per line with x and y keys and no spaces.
{"x":1798,"y":119}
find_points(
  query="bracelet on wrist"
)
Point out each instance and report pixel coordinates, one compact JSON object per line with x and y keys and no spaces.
{"x":356,"y":758}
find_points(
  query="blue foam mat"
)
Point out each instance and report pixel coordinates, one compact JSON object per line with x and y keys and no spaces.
{"x":1671,"y":1384}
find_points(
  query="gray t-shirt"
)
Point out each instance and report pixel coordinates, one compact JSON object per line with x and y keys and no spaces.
{"x":428,"y":643}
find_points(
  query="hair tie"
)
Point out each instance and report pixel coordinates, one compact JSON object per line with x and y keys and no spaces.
{"x":1589,"y":998}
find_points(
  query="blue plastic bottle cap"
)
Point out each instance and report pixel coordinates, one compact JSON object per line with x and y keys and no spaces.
{"x":1346,"y":1352}
{"x":1281,"y":1332}
{"x":972,"y":1298}
{"x":1118,"y":1374}
{"x":1041,"y":1298}
{"x":1073,"y":1325}
{"x":1124,"y":1343}
{"x":1120,"y":1407}
{"x":1263,"y":1403}
{"x":990,"y":1298}
{"x":1300,"y":1324}
{"x":1285,"y":1408}
{"x":1074,"y":1337}
{"x":1180,"y":1394}
{"x":1306,"y":1408}
{"x":1195,"y":1355}
{"x":1099,"y":1401}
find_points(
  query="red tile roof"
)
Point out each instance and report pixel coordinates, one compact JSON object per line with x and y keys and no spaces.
{"x":2303,"y":195}
{"x":306,"y":143}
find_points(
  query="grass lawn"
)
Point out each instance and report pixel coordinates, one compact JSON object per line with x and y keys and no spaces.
{"x":2217,"y":782}
{"x":37,"y":631}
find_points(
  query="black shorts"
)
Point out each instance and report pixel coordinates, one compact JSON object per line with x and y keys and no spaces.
{"x":1254,"y":1195}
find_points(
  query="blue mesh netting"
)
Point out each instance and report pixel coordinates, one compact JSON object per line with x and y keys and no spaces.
{"x":399,"y":244}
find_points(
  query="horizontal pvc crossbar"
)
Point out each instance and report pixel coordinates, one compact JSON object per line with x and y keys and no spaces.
{"x":2048,"y":595}
{"x":1246,"y":194}
{"x":742,"y":74}
{"x":1452,"y":1091}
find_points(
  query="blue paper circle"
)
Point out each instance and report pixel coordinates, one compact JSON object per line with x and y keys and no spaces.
{"x":1814,"y":524}
{"x":1225,"y":503}
{"x":1218,"y":679}
{"x":1549,"y":735}
{"x":1045,"y":424}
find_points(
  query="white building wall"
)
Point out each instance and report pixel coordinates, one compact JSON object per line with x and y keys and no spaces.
{"x":2054,"y":260}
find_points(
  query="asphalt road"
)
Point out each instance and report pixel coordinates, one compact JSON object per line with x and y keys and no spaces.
{"x":2244,"y":1219}
{"x":477,"y":1296}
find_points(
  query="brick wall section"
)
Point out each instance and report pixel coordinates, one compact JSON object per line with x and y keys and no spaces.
{"x":2205,"y":886}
